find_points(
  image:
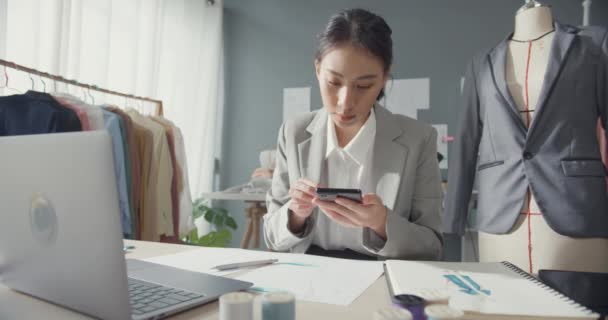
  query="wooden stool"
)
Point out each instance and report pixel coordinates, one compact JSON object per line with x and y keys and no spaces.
{"x":254,"y":212}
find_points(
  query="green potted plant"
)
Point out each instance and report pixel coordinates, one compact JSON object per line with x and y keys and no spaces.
{"x":221,"y":222}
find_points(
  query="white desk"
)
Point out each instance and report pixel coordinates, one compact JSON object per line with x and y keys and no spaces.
{"x":254,"y":212}
{"x":14,"y":305}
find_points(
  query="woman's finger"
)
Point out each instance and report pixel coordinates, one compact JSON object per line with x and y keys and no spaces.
{"x":339,"y":218}
{"x":341,"y":210}
{"x":371,"y":198}
{"x":303,"y":187}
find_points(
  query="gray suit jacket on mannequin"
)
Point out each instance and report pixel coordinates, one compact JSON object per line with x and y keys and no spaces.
{"x":405,"y":173}
{"x":558,"y":157}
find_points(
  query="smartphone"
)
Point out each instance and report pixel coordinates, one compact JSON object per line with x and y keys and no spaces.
{"x":330,"y":194}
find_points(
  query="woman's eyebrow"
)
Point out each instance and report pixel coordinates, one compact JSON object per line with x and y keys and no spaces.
{"x":364,"y":77}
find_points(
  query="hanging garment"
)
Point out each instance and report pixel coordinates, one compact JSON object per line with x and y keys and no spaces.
{"x":80,"y":112}
{"x":146,"y":216}
{"x":558,"y":157}
{"x":186,"y":220}
{"x":94,"y":113}
{"x":35,"y":113}
{"x":159,"y":182}
{"x":113,"y":126}
{"x":133,"y":165}
{"x":184,"y":199}
{"x":174,"y":181}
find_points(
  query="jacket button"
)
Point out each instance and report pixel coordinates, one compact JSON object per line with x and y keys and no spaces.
{"x":528,"y":155}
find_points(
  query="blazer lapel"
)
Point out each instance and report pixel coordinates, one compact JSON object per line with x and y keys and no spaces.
{"x":389,"y":157}
{"x":559,"y":50}
{"x":312,"y":150}
{"x":498,"y":63}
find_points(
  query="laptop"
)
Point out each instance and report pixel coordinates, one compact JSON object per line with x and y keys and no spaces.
{"x":61,"y":236}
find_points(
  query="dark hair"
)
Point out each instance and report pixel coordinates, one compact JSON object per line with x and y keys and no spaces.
{"x":361,"y":28}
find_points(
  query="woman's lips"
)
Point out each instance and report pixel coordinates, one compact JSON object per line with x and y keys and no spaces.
{"x":345,"y":118}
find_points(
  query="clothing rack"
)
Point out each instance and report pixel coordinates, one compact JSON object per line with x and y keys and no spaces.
{"x":12,"y":65}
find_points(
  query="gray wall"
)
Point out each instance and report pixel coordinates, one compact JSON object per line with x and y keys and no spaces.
{"x":269,"y":45}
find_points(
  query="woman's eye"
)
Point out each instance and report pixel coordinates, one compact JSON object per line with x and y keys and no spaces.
{"x":364,"y":87}
{"x":334,"y":83}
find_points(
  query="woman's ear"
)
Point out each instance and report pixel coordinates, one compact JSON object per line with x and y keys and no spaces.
{"x":317,"y":68}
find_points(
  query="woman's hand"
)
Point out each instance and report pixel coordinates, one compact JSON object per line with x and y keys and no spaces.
{"x":370,"y":213}
{"x":262,"y":172}
{"x":302,"y":194}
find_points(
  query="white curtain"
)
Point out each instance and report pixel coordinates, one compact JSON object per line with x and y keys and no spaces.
{"x":169,"y":50}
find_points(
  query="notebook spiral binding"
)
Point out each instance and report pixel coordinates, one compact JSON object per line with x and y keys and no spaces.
{"x":554,"y":292}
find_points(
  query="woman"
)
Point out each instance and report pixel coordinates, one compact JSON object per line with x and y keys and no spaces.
{"x":354,"y":143}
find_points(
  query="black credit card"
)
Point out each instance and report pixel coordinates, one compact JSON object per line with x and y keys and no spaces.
{"x":330,"y":194}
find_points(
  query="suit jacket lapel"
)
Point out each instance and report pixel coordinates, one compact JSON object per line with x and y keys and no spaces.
{"x":389,"y":157}
{"x":498,"y":63}
{"x":312,"y":150}
{"x":388,"y":160}
{"x":559,"y":50}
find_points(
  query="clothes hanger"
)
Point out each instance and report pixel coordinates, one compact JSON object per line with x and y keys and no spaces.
{"x":138,"y":106}
{"x":43,"y":84}
{"x":6,"y":86}
{"x":5,"y":79}
{"x":32,"y":80}
{"x":90,"y":95}
{"x":84,"y":95}
{"x":141,"y":106}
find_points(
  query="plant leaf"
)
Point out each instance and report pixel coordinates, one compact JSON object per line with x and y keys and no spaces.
{"x":193,"y":236}
{"x":207,"y":239}
{"x":223,"y":237}
{"x":219,"y":221}
{"x":209,"y":215}
{"x":230,"y":222}
{"x":197,"y":213}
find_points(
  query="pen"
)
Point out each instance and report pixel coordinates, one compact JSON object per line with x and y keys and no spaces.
{"x":245,"y":264}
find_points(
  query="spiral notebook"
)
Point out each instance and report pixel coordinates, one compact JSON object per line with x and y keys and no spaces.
{"x":494,"y":290}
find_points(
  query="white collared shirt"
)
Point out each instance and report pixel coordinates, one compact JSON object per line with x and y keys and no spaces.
{"x":348,"y":167}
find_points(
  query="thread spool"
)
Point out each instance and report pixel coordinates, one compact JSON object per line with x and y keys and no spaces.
{"x":278,"y":306}
{"x":392,"y":314}
{"x":442,"y":312}
{"x":236,"y":306}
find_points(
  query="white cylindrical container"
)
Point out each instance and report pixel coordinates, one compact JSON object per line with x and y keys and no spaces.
{"x":236,"y":306}
{"x":278,"y":306}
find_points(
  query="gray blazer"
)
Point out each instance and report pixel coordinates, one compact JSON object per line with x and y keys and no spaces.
{"x":558,"y":157}
{"x":405,"y":173}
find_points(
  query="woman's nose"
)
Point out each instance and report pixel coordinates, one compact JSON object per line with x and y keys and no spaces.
{"x":346,"y":100}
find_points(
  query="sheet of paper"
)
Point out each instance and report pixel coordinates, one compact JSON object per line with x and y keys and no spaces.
{"x":406,"y":96}
{"x":308,"y":277}
{"x":317,"y":279}
{"x":205,"y":259}
{"x":295,"y":101}
{"x":461,"y":85}
{"x":442,"y":144}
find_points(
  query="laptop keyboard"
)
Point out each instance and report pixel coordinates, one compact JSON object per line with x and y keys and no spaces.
{"x":148,"y":297}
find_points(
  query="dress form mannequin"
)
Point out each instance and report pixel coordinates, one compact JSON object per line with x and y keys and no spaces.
{"x":532,"y":244}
